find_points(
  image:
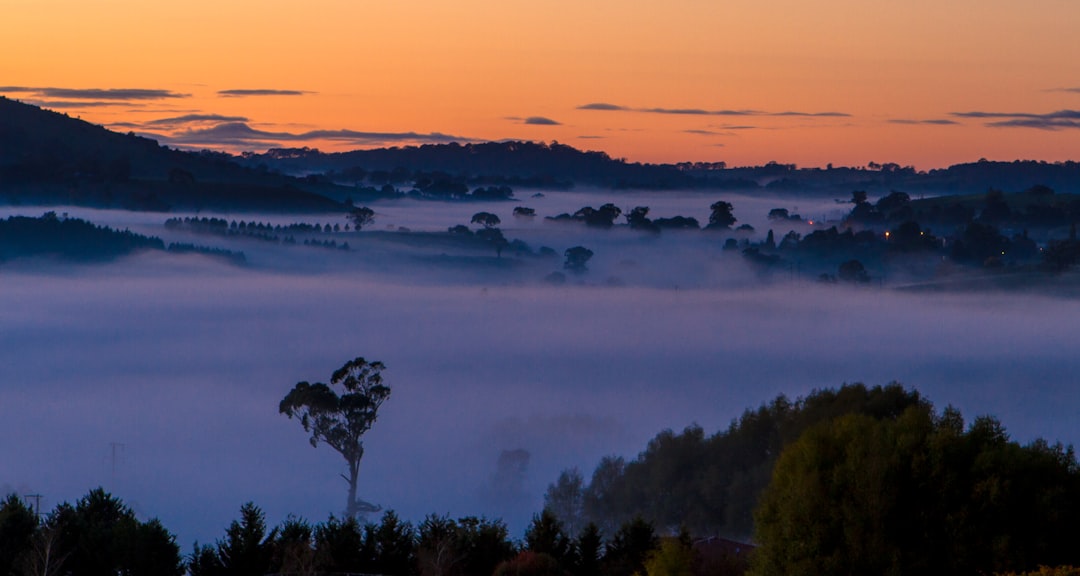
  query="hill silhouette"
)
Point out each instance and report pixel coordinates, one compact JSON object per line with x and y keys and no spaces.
{"x":50,"y":158}
{"x":554,"y":165}
{"x":515,"y":163}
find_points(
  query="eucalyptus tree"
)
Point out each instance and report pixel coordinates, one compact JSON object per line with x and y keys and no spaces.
{"x":340,"y":419}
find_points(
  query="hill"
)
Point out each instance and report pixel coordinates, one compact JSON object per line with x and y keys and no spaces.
{"x":554,"y":165}
{"x":50,"y":158}
{"x":515,"y":163}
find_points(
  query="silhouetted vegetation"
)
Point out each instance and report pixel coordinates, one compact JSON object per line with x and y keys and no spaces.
{"x":69,"y":239}
{"x":709,"y":484}
{"x":853,"y":480}
{"x":916,"y":493}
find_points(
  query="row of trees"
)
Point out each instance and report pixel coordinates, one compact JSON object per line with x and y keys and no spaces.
{"x":78,"y":240}
{"x":720,"y":218}
{"x":100,"y":536}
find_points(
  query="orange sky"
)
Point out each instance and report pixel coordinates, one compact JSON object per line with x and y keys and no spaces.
{"x":408,"y":72}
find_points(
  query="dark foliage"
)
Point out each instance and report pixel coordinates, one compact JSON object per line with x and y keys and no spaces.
{"x":709,"y":484}
{"x":917,"y":494}
{"x":68,"y":239}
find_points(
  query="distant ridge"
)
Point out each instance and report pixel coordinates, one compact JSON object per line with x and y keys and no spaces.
{"x":50,"y":158}
{"x":516,"y":163}
{"x":554,"y":165}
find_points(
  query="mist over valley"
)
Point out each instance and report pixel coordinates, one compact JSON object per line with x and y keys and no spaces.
{"x":158,"y":375}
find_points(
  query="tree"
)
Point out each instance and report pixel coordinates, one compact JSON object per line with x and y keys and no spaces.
{"x":545,"y":535}
{"x":485,"y":219}
{"x":247,"y":549}
{"x":675,"y":557}
{"x":576,"y":258}
{"x":721,"y":216}
{"x":493,"y":237}
{"x":340,"y":421}
{"x":361,"y":216}
{"x":638,"y":219}
{"x":338,"y":546}
{"x":916,"y":494}
{"x":17,"y":525}
{"x":438,"y":552}
{"x":854,"y":272}
{"x":294,"y":551}
{"x":100,"y":536}
{"x":587,"y":551}
{"x":564,"y":499}
{"x":601,"y":503}
{"x":630,"y":547}
{"x":395,"y":545}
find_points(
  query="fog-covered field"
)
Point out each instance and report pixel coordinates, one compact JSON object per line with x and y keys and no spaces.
{"x":159,"y":376}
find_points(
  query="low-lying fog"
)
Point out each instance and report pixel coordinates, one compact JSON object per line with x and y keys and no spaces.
{"x":159,"y":376}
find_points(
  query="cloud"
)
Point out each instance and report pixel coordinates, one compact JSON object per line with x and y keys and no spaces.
{"x":812,"y":114}
{"x":241,"y":92}
{"x":98,"y":94}
{"x":704,"y":132}
{"x":241,"y":134}
{"x":932,"y":121}
{"x":58,"y":104}
{"x":700,"y":112}
{"x":1058,"y":120}
{"x":541,"y":121}
{"x":603,"y":106}
{"x":591,"y":137}
{"x":1074,"y":90}
{"x":194,"y":118}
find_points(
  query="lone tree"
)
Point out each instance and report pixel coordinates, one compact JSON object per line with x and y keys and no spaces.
{"x":576,"y":258}
{"x":486,"y":219}
{"x":339,"y":421}
{"x":361,"y":216}
{"x":721,"y":216}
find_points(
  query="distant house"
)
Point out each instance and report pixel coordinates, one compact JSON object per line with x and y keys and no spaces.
{"x":722,"y":557}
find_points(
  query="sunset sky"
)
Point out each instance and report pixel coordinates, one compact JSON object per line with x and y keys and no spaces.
{"x":921,"y":82}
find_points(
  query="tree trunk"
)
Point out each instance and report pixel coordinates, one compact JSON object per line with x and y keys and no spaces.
{"x":354,"y":471}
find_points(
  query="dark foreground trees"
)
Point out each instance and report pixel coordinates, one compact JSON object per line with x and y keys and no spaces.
{"x":339,"y":421}
{"x":710,"y":484}
{"x":918,"y":494}
{"x":98,"y":536}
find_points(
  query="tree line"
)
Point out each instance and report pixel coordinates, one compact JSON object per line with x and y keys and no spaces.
{"x":855,"y":480}
{"x":100,"y":536}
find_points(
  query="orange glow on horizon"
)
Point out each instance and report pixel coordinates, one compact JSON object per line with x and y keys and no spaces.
{"x":478,"y":69}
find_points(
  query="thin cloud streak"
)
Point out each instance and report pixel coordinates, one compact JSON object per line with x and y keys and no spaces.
{"x":239,"y":134}
{"x":933,"y":121}
{"x":1061,"y":119}
{"x":120,"y":94}
{"x":195,"y":118}
{"x":58,"y":104}
{"x":242,"y":92}
{"x":607,"y":107}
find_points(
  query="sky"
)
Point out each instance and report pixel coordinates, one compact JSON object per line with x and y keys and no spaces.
{"x":921,"y":83}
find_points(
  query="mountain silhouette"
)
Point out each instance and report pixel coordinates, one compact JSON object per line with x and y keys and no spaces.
{"x":49,"y":158}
